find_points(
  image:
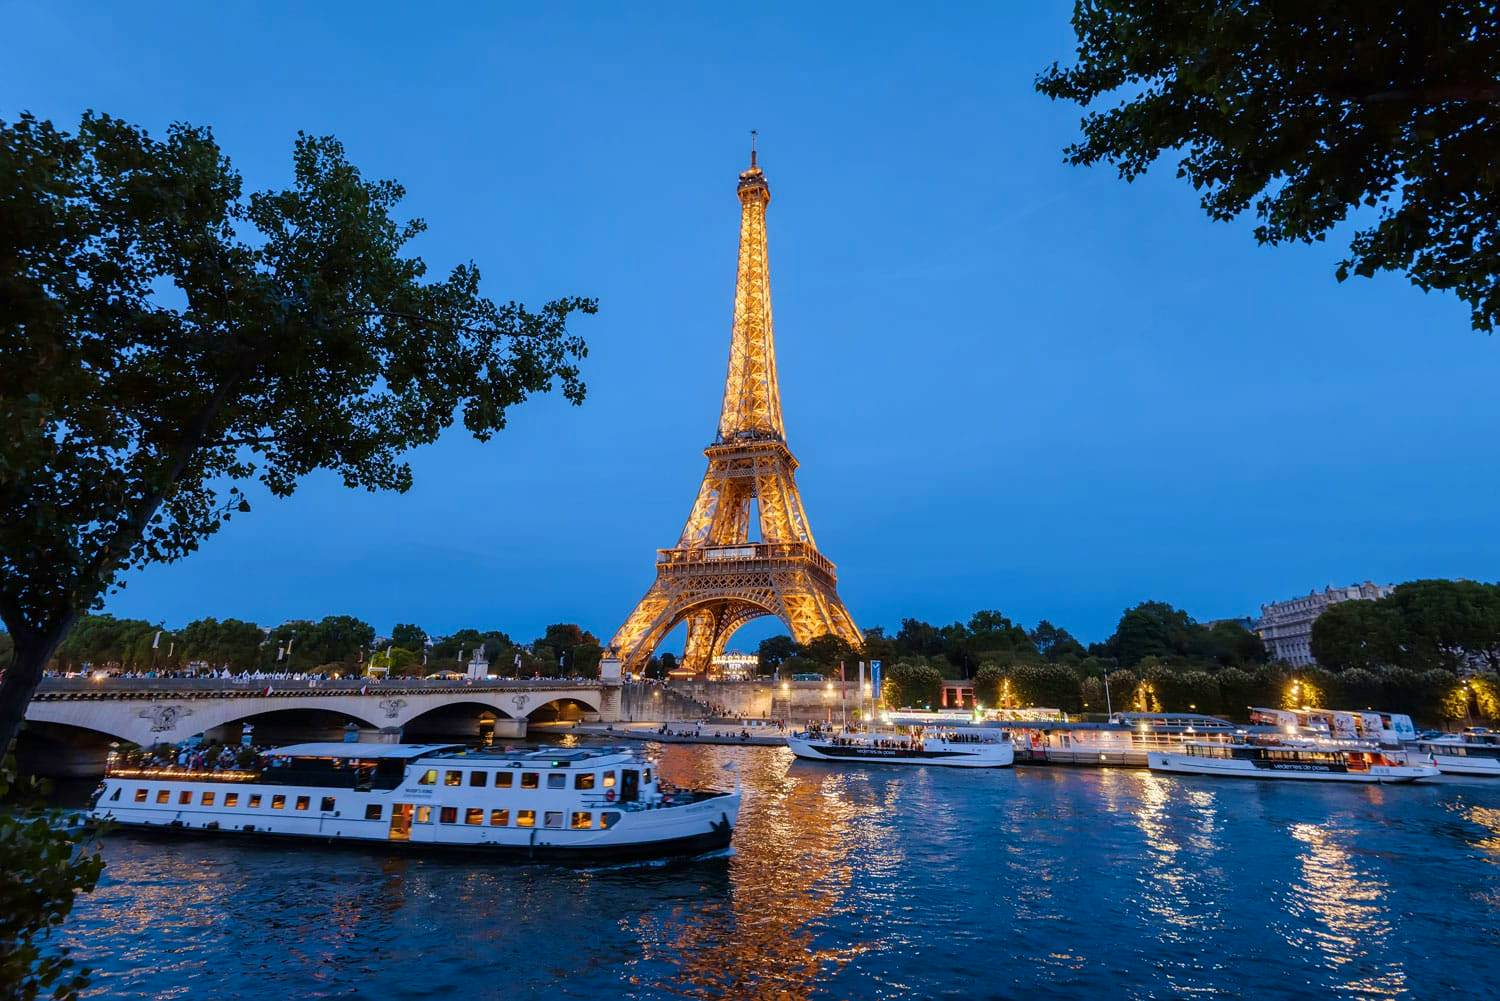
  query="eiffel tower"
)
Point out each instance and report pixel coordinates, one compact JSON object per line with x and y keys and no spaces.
{"x":715,"y":578}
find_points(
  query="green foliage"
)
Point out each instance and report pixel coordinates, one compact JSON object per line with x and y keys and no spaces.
{"x":1306,"y":113}
{"x":564,"y":649}
{"x":401,"y":662}
{"x":989,"y":685}
{"x":298,"y":335}
{"x":1055,"y":643}
{"x":7,"y":649}
{"x":409,"y":636}
{"x":1052,"y":686}
{"x":910,"y":686}
{"x":44,"y":865}
{"x":230,"y":642}
{"x":775,"y":650}
{"x":103,"y":640}
{"x":1154,"y":630}
{"x":333,"y":639}
{"x":1424,"y":625}
{"x":829,"y":651}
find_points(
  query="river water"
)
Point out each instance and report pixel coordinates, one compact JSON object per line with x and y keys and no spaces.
{"x":874,"y":883}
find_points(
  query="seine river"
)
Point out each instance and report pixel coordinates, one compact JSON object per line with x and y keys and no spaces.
{"x":875,"y":883}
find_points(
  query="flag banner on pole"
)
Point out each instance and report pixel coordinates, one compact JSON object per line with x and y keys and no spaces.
{"x":875,"y":680}
{"x":156,"y":640}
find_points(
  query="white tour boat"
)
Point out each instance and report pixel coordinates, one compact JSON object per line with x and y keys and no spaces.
{"x":1318,"y":761}
{"x":550,"y":803}
{"x":1474,"y":752}
{"x":954,"y":748}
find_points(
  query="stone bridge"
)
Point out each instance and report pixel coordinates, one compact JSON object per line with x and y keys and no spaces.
{"x":168,"y":710}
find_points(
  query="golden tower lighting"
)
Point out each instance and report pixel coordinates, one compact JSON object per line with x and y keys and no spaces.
{"x":715,"y":578}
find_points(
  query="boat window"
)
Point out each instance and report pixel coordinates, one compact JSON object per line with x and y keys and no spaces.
{"x":553,"y":818}
{"x":162,"y":795}
{"x":608,"y":820}
{"x":254,"y":801}
{"x":609,"y":780}
{"x":477,"y":778}
{"x":647,"y":777}
{"x":499,"y":818}
{"x":140,"y":795}
{"x":327,"y":805}
{"x":303,"y":801}
{"x":504,"y":780}
{"x":557,"y":780}
{"x":453,"y":777}
{"x":424,"y":814}
{"x":448,"y":814}
{"x":372,"y":812}
{"x":525,"y":818}
{"x":428,"y":778}
{"x":185,"y":797}
{"x":582,"y":820}
{"x":231,"y":799}
{"x":583,"y":780}
{"x":528,"y":780}
{"x":473,"y":815}
{"x":278,"y":802}
{"x":207,"y":799}
{"x":114,"y":796}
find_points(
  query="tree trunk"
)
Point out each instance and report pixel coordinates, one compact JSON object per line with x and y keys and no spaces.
{"x":19,"y":682}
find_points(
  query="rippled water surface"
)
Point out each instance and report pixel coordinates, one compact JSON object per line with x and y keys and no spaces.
{"x":876,"y":883}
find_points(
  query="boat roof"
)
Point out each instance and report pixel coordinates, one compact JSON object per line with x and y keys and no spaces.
{"x":344,"y":749}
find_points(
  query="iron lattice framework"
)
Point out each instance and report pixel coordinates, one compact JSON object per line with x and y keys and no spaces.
{"x":715,"y":578}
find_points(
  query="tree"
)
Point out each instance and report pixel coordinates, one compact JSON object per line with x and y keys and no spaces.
{"x":1356,"y":635}
{"x":105,"y":640}
{"x":829,"y":651}
{"x":907,"y":685}
{"x":991,"y":686}
{"x":7,"y":648}
{"x":1055,"y":643}
{"x":297,"y":336}
{"x":1051,"y":685}
{"x":231,"y":643}
{"x":775,"y":650}
{"x":1150,"y":629}
{"x":1305,"y":113}
{"x":45,"y":867}
{"x":1226,"y":644}
{"x":404,"y":634}
{"x":565,"y":649}
{"x":302,"y":645}
{"x":400,"y":662}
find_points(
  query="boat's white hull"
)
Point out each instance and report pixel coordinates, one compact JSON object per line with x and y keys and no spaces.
{"x":997,"y":755}
{"x":1453,"y":764}
{"x":1187,"y":764}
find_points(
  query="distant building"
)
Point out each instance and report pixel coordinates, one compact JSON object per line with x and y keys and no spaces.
{"x":1286,"y":626}
{"x":1246,"y":623}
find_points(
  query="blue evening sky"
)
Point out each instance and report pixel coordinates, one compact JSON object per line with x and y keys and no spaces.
{"x":1011,"y":383}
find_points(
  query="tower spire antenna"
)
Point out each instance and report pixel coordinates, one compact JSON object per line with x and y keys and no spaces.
{"x":753,"y":134}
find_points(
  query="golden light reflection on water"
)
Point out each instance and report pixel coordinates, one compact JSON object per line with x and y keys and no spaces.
{"x":794,"y":861}
{"x":1487,"y":818}
{"x":1175,"y":883}
{"x":1340,"y":912}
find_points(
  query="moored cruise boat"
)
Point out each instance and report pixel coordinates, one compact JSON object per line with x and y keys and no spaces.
{"x":1475,"y":752}
{"x":918,"y":746}
{"x":552,"y":803}
{"x":1321,"y":761}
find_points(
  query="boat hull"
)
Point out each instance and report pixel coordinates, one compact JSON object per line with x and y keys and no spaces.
{"x":1182,"y":764}
{"x":686,"y":846}
{"x":985,"y":756}
{"x":1452,"y":764}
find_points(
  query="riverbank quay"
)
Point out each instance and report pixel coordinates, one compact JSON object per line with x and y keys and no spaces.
{"x":685,"y":733}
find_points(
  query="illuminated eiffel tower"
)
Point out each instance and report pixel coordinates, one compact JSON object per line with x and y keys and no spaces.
{"x":715,"y":578}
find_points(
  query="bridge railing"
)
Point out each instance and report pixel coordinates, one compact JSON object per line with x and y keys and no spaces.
{"x":84,"y":688}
